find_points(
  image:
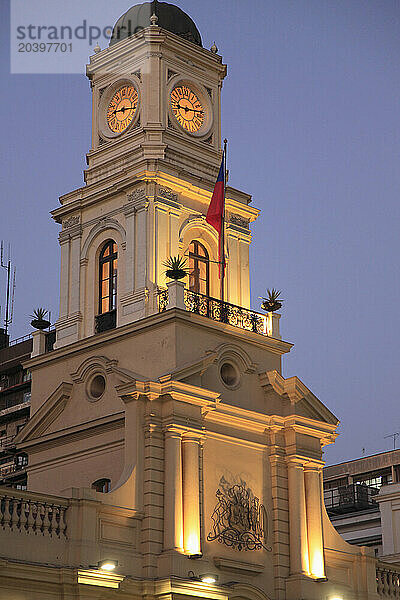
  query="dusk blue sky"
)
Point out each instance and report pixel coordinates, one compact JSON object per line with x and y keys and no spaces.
{"x":311,"y":110}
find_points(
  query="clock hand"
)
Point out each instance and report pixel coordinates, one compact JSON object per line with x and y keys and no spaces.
{"x":187,"y":109}
{"x":123,"y":109}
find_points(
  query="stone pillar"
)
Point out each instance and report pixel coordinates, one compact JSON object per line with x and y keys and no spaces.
{"x":314,"y":520}
{"x":129,"y":212}
{"x":273,"y":325}
{"x":297,"y":519}
{"x":141,"y":246}
{"x":86,"y":330}
{"x":64,"y":274}
{"x":173,"y":509}
{"x":176,"y":295}
{"x":132,"y":298}
{"x":39,"y":343}
{"x":191,"y":495}
{"x":75,"y":268}
{"x":161,"y":225}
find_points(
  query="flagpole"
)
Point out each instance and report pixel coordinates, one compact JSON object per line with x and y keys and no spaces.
{"x":222,"y":250}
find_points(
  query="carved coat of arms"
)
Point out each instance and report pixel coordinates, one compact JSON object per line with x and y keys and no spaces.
{"x":239,"y":519}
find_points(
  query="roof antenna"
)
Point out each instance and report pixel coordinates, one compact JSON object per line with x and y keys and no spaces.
{"x":5,"y":263}
{"x":394,"y":435}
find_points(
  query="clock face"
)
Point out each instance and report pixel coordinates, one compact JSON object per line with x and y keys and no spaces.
{"x":187,"y":108}
{"x":122,"y":108}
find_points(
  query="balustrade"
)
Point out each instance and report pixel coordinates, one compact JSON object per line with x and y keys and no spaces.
{"x":32,"y":516}
{"x":388,"y":582}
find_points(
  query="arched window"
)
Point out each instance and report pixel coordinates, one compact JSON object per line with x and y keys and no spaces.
{"x":108,"y":263}
{"x":102,"y":485}
{"x":199,"y":269}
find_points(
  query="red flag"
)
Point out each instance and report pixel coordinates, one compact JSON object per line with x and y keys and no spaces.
{"x":215,"y":214}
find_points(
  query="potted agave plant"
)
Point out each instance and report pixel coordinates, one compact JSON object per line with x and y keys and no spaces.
{"x":39,"y":320}
{"x":176,"y":267}
{"x":273,"y":301}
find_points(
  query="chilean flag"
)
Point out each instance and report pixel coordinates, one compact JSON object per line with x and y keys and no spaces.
{"x":215,"y":214}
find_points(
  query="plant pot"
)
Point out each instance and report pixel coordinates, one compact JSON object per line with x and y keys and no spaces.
{"x":40,"y":324}
{"x":271,"y":306}
{"x":175,"y":274}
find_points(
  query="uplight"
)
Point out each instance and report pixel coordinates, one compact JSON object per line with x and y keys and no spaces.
{"x":107,"y":565}
{"x":208,"y":578}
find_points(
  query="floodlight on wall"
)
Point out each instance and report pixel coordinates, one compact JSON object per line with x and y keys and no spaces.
{"x":209,"y":578}
{"x":194,"y":556}
{"x":107,"y":564}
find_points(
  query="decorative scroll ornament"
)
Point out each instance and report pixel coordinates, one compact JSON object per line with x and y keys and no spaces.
{"x":238,"y":220}
{"x":167,"y":193}
{"x":239,"y":520}
{"x":138,"y":194}
{"x":71,"y":222}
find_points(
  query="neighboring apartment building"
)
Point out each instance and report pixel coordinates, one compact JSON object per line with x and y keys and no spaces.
{"x":350,"y":490}
{"x":15,"y":401}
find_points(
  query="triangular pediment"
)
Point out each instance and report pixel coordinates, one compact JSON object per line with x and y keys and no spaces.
{"x":302,"y":401}
{"x":49,"y":417}
{"x":46,"y":414}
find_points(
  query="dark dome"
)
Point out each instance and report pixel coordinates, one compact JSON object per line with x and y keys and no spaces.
{"x":170,"y":17}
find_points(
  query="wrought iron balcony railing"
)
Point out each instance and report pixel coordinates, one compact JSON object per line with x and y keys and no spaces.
{"x":350,"y":498}
{"x":224,"y":312}
{"x":10,"y":469}
{"x":106,"y":321}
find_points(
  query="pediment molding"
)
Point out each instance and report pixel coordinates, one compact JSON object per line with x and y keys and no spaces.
{"x":106,"y":366}
{"x":294,"y":389}
{"x":103,"y":224}
{"x":46,"y":414}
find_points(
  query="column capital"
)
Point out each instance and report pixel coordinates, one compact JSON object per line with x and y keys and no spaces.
{"x":173,"y":431}
{"x":295,"y":461}
{"x":193,"y":436}
{"x":314,"y":465}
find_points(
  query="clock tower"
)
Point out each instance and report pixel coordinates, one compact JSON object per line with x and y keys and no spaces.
{"x":156,"y":150}
{"x":164,"y":438}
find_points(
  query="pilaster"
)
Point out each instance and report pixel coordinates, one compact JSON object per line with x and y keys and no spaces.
{"x":280,"y":519}
{"x":191,"y":494}
{"x":299,"y":562}
{"x":134,"y":297}
{"x":173,"y":505}
{"x":312,"y":476}
{"x":68,"y":326}
{"x":153,"y":526}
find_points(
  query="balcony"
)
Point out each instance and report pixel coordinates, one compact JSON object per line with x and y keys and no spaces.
{"x":224,"y":312}
{"x":10,"y":470}
{"x":6,"y":441}
{"x":43,"y":529}
{"x":350,"y":498}
{"x":106,"y":321}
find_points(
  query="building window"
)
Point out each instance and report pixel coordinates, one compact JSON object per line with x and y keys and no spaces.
{"x":102,"y":485}
{"x":199,"y":269}
{"x":21,"y":461}
{"x":108,"y":264}
{"x":335,"y":483}
{"x":374,"y":479}
{"x":26,"y":375}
